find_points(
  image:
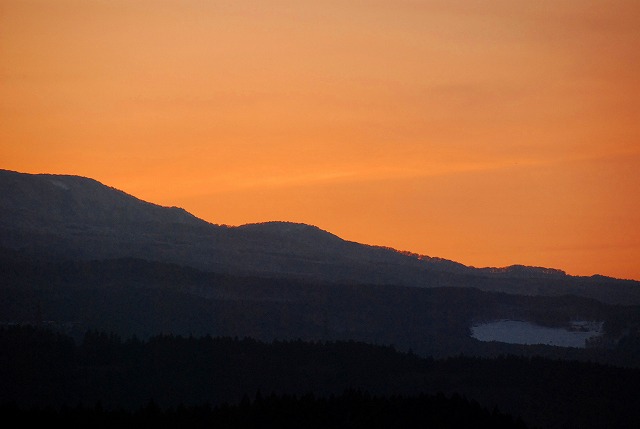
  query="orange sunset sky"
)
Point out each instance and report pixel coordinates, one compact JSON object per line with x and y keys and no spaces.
{"x":490,"y":132}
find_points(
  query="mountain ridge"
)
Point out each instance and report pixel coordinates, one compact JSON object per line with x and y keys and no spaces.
{"x":85,"y":219}
{"x":272,"y":228}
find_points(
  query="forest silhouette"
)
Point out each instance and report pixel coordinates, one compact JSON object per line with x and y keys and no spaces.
{"x":47,"y":374}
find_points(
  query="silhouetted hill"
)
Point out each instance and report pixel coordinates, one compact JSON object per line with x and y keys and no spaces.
{"x":44,"y":202}
{"x":50,"y":215}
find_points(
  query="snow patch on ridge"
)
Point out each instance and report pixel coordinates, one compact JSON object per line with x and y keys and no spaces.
{"x":60,"y":184}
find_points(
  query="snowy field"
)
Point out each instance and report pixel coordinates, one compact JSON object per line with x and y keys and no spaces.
{"x":518,"y":332}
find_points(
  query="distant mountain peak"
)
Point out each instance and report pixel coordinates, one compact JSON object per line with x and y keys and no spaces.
{"x":52,"y":201}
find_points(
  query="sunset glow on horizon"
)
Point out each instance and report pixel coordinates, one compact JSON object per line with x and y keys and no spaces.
{"x":491,"y":132}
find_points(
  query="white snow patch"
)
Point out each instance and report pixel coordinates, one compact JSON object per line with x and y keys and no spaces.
{"x":520,"y":332}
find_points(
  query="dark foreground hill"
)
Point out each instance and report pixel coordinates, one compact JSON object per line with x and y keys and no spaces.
{"x":43,"y":369}
{"x":53,"y":215}
{"x":353,"y":409}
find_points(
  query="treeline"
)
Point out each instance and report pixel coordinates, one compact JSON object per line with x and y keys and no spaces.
{"x":352,"y":409}
{"x":40,"y":368}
